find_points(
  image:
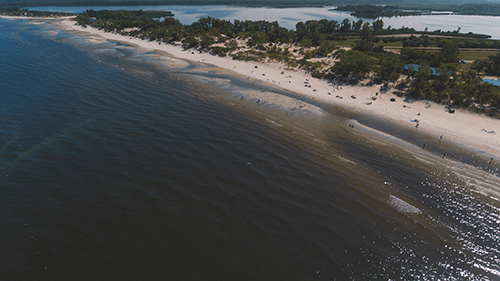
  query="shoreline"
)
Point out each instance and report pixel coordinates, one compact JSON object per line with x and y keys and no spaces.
{"x":462,"y":127}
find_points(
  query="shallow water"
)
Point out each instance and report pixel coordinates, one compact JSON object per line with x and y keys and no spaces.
{"x":115,"y":166}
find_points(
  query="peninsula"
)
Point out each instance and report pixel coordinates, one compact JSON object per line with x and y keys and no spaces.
{"x":357,"y":67}
{"x":331,"y":50}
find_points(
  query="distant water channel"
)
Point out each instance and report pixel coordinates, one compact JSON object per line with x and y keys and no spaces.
{"x":288,"y":17}
{"x":114,"y":166}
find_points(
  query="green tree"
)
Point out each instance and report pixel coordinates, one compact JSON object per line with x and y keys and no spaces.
{"x":306,"y":42}
{"x":420,"y":87}
{"x":441,"y":85}
{"x":231,"y":44}
{"x":345,"y":26}
{"x":354,"y":63}
{"x":488,"y":93}
{"x":389,"y":67}
{"x":206,"y":41}
{"x":258,"y":38}
{"x":190,"y":42}
{"x":325,"y":48}
{"x":378,"y":25}
{"x":450,"y":51}
{"x":366,"y":32}
{"x":356,"y":25}
{"x":493,"y":65}
{"x":426,"y":41}
{"x":480,"y":65}
{"x":363,"y":46}
{"x":467,"y":88}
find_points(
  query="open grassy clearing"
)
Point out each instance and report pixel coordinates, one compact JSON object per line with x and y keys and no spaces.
{"x":476,"y":55}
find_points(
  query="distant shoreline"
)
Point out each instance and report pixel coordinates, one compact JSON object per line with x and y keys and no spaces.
{"x":461,"y":127}
{"x":359,"y":10}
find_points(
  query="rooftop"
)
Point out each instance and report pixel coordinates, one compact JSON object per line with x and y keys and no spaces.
{"x":415,"y":67}
{"x":492,"y":81}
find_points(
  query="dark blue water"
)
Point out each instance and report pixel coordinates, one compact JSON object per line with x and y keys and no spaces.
{"x":114,"y":167}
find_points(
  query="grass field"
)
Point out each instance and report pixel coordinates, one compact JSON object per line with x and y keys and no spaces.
{"x":476,"y":55}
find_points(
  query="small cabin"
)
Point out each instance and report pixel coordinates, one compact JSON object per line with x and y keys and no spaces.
{"x":415,"y":67}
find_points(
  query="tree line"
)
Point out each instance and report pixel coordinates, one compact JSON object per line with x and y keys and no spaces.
{"x":12,"y":11}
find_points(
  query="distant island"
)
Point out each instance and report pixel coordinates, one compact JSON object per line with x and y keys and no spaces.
{"x":30,"y":13}
{"x":359,"y":8}
{"x":376,"y":11}
{"x":370,"y":11}
{"x":445,"y":67}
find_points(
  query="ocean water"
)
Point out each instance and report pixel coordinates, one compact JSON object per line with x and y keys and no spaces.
{"x":114,"y":166}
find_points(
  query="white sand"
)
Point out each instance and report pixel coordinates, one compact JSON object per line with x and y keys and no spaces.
{"x":461,"y":127}
{"x":35,"y":18}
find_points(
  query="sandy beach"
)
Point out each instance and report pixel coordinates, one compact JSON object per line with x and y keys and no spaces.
{"x":475,"y":131}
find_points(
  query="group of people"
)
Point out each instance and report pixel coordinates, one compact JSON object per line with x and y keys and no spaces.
{"x":416,"y":121}
{"x":489,"y":132}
